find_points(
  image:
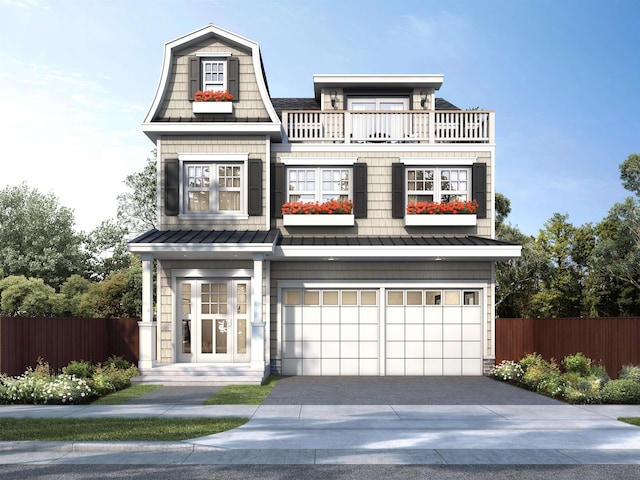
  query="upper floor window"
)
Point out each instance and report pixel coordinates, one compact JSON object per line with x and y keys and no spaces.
{"x":378,"y":103}
{"x":318,"y":184}
{"x":213,"y":187}
{"x":213,"y":184}
{"x":214,"y":75}
{"x":442,"y":185}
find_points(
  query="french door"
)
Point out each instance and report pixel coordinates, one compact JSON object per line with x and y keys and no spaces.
{"x":372,"y":119}
{"x":213,"y":320}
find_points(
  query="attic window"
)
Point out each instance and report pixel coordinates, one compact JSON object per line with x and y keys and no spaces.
{"x":213,"y":71}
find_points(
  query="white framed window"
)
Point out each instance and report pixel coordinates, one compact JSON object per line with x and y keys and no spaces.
{"x":378,"y":103}
{"x":319,"y":184}
{"x":214,"y":74}
{"x":438,"y":184}
{"x":214,"y":187}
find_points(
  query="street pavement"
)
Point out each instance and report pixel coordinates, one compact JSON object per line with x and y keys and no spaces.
{"x":546,"y":434}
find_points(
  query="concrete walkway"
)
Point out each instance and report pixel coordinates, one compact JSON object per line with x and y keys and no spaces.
{"x":355,"y":434}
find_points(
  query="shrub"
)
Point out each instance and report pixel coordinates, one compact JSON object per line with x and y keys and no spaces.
{"x":541,"y":376}
{"x":582,"y":389}
{"x":507,"y":371}
{"x":621,"y":391}
{"x":629,"y":372}
{"x":577,"y":363}
{"x":81,"y":369}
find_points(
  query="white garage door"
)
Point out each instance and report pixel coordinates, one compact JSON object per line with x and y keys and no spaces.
{"x":433,"y":332}
{"x":337,"y":332}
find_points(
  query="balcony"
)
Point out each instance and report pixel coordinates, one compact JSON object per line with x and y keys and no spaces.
{"x":414,"y":126}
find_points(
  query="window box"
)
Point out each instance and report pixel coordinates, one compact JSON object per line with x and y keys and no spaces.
{"x":451,"y":220}
{"x":212,"y":107}
{"x":318,"y":220}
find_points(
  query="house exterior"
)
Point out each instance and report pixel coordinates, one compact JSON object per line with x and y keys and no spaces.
{"x":245,"y":287}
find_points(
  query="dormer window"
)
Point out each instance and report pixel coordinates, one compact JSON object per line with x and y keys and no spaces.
{"x":214,"y":72}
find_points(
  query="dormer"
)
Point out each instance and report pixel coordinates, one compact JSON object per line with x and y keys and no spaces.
{"x":214,"y":60}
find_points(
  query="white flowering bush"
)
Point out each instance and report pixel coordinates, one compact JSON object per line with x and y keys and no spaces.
{"x":507,"y":371}
{"x":39,"y":386}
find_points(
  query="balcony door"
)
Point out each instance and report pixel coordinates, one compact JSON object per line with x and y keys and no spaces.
{"x":371,"y":121}
{"x":213,"y":320}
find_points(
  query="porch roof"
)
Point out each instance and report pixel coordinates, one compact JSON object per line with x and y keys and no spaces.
{"x":245,"y":243}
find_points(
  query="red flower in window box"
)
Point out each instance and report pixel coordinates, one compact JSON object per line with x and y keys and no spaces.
{"x":211,"y":96}
{"x":444,"y":208}
{"x":331,"y":207}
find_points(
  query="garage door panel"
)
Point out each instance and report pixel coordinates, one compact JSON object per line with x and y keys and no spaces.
{"x":451,"y":350}
{"x":311,"y":332}
{"x":433,"y":350}
{"x":395,"y":333}
{"x":471,"y":333}
{"x":395,"y":349}
{"x":330,"y":349}
{"x":349,"y":315}
{"x":395,"y":366}
{"x":349,"y":350}
{"x":369,"y":350}
{"x":414,"y":366}
{"x":330,"y":332}
{"x":368,"y":315}
{"x":471,"y":366}
{"x":472,"y":315}
{"x":291,"y":314}
{"x":433,"y":366}
{"x":451,"y":332}
{"x":349,"y":366}
{"x":433,"y":333}
{"x":368,"y":333}
{"x":330,"y":315}
{"x":349,"y":332}
{"x":291,"y":349}
{"x":292,"y":366}
{"x":414,"y":332}
{"x":451,"y":315}
{"x":471,"y":350}
{"x":414,"y":315}
{"x":433,"y":314}
{"x":369,"y":366}
{"x":312,"y":315}
{"x":291,"y":331}
{"x":311,"y":366}
{"x":414,"y":350}
{"x":395,"y":315}
{"x":330,"y":366}
{"x":451,"y":367}
{"x":311,"y":349}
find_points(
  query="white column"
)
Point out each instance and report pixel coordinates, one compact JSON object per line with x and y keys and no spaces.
{"x":257,"y":323}
{"x":147,"y":327}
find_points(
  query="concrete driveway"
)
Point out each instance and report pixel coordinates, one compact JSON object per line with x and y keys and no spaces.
{"x":401,"y":391}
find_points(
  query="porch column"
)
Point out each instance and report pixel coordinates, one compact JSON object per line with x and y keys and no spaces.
{"x":257,"y":323}
{"x":147,"y":327}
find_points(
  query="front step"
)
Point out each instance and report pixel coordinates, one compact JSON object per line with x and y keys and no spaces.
{"x":206,"y":375}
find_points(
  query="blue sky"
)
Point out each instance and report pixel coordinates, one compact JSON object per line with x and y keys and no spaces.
{"x":78,"y":76}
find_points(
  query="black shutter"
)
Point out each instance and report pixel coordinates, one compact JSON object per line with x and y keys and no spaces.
{"x":278,"y":183}
{"x":171,"y":187}
{"x":479,"y":188}
{"x":360,"y":190}
{"x":255,"y":186}
{"x":194,"y":76}
{"x":397,"y":190}
{"x":233,"y":77}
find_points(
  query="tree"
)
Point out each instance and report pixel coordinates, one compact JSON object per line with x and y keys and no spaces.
{"x":106,"y":249}
{"x":137,"y":208}
{"x":26,"y":297}
{"x":37,"y":236}
{"x":630,"y":173}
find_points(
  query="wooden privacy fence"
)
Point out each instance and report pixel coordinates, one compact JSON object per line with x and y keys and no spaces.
{"x":60,"y":340}
{"x":611,"y":341}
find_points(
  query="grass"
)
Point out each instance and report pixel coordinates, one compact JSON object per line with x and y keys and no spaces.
{"x":118,"y":398}
{"x":113,"y":429}
{"x":632,"y":420}
{"x":243,"y":394}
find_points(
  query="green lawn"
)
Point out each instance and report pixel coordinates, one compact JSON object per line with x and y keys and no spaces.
{"x":243,"y":394}
{"x":631,"y":420}
{"x":113,"y":429}
{"x":118,"y":398}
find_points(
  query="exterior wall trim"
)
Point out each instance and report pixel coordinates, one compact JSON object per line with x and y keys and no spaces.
{"x":440,"y":161}
{"x":319,"y":161}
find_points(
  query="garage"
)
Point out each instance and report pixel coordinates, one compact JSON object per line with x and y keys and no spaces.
{"x":347,"y":331}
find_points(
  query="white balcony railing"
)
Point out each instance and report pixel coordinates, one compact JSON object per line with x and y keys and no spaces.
{"x":421,"y":126}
